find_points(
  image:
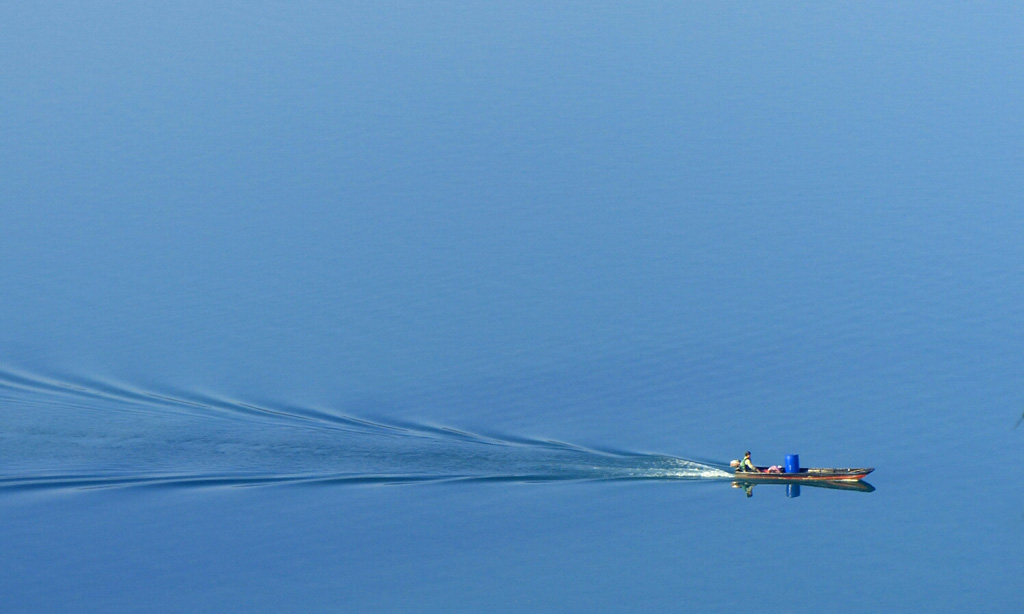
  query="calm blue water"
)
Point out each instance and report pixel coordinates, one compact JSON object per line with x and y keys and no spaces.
{"x":400,"y":307}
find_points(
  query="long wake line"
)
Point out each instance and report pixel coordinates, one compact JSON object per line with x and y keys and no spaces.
{"x":61,"y":433}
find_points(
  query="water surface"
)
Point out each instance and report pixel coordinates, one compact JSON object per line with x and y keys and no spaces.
{"x":393,"y":307}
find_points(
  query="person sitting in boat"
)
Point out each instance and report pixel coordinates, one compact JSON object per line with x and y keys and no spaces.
{"x":746,"y":465}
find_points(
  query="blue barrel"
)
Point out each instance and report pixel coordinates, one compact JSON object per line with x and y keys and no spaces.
{"x":792,"y":463}
{"x":792,"y":490}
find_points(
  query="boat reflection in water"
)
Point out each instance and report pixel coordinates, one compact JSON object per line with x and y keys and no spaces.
{"x":793,"y":489}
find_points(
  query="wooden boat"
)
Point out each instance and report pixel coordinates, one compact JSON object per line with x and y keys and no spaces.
{"x":805,"y":475}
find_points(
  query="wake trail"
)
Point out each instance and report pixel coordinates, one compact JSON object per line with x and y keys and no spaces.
{"x":60,"y":432}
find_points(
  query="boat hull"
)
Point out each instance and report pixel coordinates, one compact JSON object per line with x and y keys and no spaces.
{"x":807,"y":475}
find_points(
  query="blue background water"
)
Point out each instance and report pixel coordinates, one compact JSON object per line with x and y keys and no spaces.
{"x":389,"y":306}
